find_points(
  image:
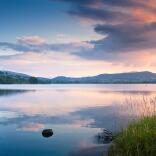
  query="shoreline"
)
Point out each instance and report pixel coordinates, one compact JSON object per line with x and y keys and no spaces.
{"x":137,"y":139}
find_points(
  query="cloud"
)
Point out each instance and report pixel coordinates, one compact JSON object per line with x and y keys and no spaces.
{"x":14,"y":46}
{"x":31,"y":40}
{"x":64,"y":38}
{"x":54,"y":63}
{"x":127,"y":26}
{"x":8,"y":52}
{"x":128,"y":30}
{"x":37,"y":44}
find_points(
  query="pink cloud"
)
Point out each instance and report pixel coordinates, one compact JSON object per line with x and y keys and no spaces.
{"x":31,"y":40}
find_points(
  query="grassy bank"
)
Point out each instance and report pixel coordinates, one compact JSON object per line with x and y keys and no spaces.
{"x":138,"y":139}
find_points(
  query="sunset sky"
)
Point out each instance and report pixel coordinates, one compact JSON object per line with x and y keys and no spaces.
{"x":77,"y":37}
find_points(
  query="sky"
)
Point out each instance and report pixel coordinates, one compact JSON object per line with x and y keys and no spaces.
{"x":77,"y":37}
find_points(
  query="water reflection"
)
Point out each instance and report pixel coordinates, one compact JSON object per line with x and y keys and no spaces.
{"x":12,"y":92}
{"x":75,"y":114}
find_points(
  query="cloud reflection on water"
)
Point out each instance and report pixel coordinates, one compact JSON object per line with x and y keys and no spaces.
{"x":79,"y":107}
{"x":73,"y":113}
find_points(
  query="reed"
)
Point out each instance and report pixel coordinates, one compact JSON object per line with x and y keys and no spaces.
{"x":139,"y":138}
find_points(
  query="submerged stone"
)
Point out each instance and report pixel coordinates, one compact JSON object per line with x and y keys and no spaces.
{"x":47,"y":133}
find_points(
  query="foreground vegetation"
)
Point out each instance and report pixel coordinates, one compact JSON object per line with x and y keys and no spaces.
{"x":138,"y":139}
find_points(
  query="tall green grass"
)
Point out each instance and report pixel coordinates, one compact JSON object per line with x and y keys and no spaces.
{"x":139,"y":138}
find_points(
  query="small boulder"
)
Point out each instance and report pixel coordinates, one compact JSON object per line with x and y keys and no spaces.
{"x":104,"y":137}
{"x":47,"y":133}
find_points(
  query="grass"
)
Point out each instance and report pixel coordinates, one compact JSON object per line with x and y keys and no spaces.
{"x":138,"y":139}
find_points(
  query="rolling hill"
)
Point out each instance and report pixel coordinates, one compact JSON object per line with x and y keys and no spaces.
{"x":7,"y":77}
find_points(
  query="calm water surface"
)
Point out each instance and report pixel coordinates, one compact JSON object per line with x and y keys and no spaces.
{"x":76,"y":113}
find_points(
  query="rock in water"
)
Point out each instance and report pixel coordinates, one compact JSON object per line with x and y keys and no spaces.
{"x":104,"y":137}
{"x":47,"y":133}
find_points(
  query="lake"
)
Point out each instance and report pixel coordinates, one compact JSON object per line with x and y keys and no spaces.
{"x":76,"y":113}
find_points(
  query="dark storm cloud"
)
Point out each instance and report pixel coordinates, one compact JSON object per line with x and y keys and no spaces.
{"x":122,"y":3}
{"x":90,"y":9}
{"x":127,"y":36}
{"x":99,"y":14}
{"x":127,"y":25}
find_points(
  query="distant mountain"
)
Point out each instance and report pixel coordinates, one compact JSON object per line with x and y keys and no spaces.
{"x":7,"y":77}
{"x":131,"y":77}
